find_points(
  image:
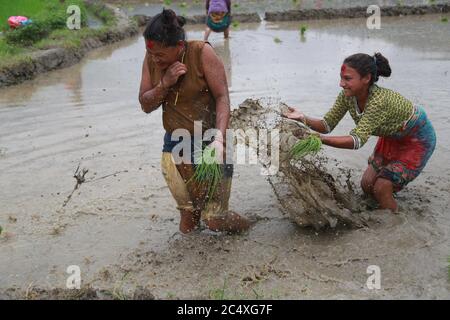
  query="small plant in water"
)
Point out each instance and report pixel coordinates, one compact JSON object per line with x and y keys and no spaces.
{"x":303,"y":29}
{"x":277,"y":40}
{"x":444,"y":19}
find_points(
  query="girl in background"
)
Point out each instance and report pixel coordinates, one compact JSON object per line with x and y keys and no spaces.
{"x":218,"y":14}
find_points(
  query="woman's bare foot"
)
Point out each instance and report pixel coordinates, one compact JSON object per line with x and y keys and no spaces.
{"x":189,"y":221}
{"x":231,"y":222}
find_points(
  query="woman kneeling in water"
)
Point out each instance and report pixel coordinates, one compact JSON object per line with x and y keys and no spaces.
{"x":406,"y":137}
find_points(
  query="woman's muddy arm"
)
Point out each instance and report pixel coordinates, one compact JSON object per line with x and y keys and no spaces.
{"x":150,"y":97}
{"x":217,"y":82}
{"x":315,"y":124}
{"x":342,"y":142}
{"x":318,"y":125}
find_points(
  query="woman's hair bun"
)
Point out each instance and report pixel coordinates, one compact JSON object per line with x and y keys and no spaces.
{"x":181,"y":21}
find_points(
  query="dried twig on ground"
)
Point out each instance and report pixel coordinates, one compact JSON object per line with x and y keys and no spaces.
{"x":79,"y":176}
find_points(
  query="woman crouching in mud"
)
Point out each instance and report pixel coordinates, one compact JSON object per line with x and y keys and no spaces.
{"x":188,"y":79}
{"x":406,"y":137}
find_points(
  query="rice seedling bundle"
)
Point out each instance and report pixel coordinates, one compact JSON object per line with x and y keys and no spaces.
{"x":311,"y":145}
{"x":208,"y":171}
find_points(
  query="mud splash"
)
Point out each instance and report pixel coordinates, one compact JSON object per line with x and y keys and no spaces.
{"x":308,"y":193}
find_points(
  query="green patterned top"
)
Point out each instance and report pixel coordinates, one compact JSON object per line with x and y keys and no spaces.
{"x":385,"y":114}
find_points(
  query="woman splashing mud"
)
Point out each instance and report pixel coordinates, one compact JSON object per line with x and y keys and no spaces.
{"x":406,"y":137}
{"x":188,"y":79}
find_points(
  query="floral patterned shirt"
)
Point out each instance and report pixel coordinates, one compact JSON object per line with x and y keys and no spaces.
{"x":385,"y":114}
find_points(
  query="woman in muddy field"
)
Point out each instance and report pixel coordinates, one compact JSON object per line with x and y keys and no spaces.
{"x":406,"y":136}
{"x":218,"y":17}
{"x":188,"y":79}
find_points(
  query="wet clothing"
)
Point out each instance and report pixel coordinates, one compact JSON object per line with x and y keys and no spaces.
{"x":195,"y":147}
{"x":386,"y":112}
{"x":401,"y":157}
{"x":406,"y":137}
{"x":195,"y":101}
{"x":191,"y":195}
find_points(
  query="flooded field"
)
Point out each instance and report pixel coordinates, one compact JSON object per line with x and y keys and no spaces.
{"x":120,"y":225}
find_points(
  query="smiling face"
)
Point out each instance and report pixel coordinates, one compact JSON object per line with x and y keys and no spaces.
{"x":352,"y":82}
{"x":163,"y":56}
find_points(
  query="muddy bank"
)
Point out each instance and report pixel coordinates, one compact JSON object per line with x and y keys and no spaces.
{"x":356,"y":12}
{"x":194,"y":7}
{"x":316,"y":14}
{"x":47,"y":60}
{"x":201,"y":19}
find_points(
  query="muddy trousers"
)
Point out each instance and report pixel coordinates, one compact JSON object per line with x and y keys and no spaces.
{"x":190,"y":195}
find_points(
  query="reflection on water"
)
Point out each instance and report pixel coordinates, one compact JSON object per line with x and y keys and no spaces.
{"x":74,"y":84}
{"x":223,"y":50}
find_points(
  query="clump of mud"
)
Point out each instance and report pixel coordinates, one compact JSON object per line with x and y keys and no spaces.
{"x":308,"y":193}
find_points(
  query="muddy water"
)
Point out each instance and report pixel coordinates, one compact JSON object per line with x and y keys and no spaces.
{"x":120,"y":225}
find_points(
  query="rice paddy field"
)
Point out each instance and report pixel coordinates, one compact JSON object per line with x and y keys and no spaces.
{"x":121,"y":225}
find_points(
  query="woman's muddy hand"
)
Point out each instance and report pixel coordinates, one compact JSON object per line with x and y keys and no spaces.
{"x":173,"y":73}
{"x":218,"y":146}
{"x":294,"y":114}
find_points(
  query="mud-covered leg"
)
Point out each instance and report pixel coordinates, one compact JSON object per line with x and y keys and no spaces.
{"x":368,"y":180}
{"x":189,"y":217}
{"x":216,"y":215}
{"x":383,"y":191}
{"x":197,"y":191}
